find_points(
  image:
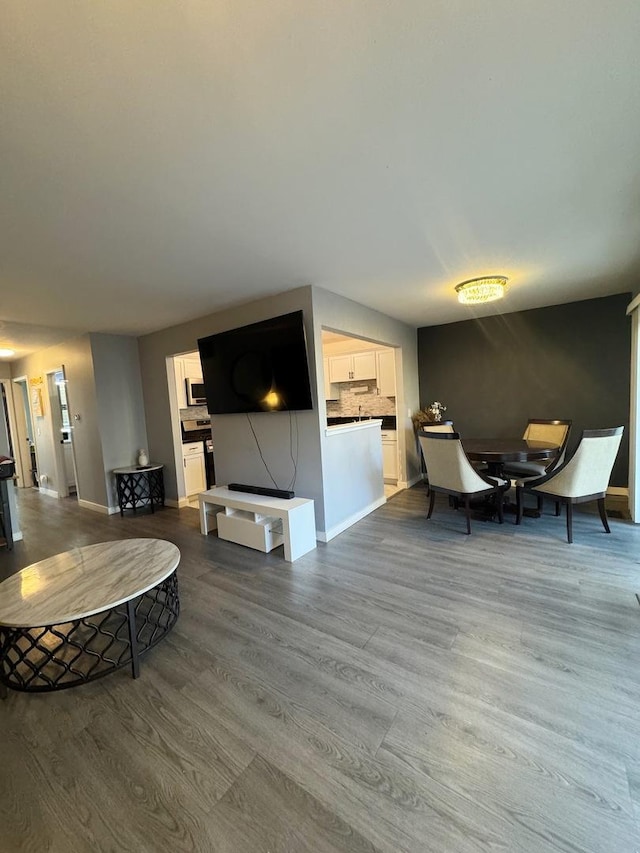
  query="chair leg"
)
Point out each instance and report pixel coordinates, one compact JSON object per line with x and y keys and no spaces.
{"x":519,"y":505}
{"x":500,"y":498}
{"x":432,"y":498}
{"x":603,"y":515}
{"x":557,"y":508}
{"x":467,"y":511}
{"x":569,"y":522}
{"x":539,"y":504}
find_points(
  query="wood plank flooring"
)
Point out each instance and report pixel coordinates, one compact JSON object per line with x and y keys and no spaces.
{"x":403,"y":689}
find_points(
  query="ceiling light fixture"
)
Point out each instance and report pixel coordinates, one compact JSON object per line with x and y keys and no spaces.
{"x":478,"y":290}
{"x":7,"y":353}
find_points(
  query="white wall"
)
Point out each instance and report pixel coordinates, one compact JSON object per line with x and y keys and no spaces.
{"x":235,"y":454}
{"x":338,"y":314}
{"x":119,"y":401}
{"x":105,"y":408}
{"x":353,"y":479}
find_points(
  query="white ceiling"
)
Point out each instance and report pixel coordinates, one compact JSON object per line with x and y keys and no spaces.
{"x":162,"y":161}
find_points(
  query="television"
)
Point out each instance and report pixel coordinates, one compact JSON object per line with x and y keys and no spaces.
{"x":262,"y":367}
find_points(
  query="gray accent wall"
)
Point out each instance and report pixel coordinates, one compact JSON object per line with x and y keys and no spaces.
{"x":565,"y":361}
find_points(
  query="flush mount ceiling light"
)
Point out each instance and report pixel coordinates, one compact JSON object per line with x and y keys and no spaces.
{"x":7,"y":353}
{"x":478,"y":290}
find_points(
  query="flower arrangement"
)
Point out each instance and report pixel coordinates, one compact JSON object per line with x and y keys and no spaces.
{"x":430,"y":414}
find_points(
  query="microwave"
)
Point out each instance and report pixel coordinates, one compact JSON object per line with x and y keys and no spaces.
{"x":195,"y":392}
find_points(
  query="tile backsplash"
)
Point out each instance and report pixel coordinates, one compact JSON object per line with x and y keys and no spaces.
{"x":360,"y":394}
{"x":352,"y":394}
{"x":194,"y":413}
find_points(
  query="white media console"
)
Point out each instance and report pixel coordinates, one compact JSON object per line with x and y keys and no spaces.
{"x":259,"y":522}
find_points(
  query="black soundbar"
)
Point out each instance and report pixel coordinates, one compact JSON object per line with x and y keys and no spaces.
{"x":262,"y":490}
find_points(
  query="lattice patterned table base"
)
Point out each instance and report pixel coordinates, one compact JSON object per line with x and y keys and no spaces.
{"x":58,"y":656}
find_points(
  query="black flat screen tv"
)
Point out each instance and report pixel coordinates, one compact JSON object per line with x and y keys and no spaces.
{"x":258,"y":368}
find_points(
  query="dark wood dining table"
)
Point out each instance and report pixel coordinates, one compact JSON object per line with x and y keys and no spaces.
{"x":496,"y":452}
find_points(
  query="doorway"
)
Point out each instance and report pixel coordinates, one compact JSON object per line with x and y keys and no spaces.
{"x":24,"y":440}
{"x":66,"y":476}
{"x":360,"y":384}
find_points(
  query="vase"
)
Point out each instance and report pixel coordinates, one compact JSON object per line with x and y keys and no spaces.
{"x":143,"y":459}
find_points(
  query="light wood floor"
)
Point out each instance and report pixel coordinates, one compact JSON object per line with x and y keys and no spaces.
{"x":403,"y":688}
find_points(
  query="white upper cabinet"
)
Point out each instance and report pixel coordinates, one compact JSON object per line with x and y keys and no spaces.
{"x":348,"y":368}
{"x":386,"y":373}
{"x":186,"y":367}
{"x":364,"y":365}
{"x":331,"y":391}
{"x":192,"y":367}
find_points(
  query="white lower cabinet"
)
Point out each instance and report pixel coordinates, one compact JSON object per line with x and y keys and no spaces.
{"x":389,"y":455}
{"x":195,"y":475}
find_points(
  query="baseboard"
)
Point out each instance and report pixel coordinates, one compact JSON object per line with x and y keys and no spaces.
{"x":618,"y":491}
{"x":406,"y":484}
{"x":50,"y":493}
{"x":181,"y":503}
{"x":328,"y":535}
{"x":103,"y":510}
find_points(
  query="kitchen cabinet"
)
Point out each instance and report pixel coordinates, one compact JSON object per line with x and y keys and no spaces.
{"x":331,"y":391}
{"x":386,"y":372}
{"x":186,"y":367}
{"x":195,"y":474}
{"x":349,"y":368}
{"x":389,"y":455}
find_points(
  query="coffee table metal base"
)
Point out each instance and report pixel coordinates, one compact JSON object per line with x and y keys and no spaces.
{"x":54,"y":657}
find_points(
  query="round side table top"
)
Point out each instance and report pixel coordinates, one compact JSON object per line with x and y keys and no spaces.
{"x":84,"y":581}
{"x":137,"y":469}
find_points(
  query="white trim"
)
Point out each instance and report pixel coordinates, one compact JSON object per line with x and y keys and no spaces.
{"x":635,"y":303}
{"x":50,"y":493}
{"x":406,"y":484}
{"x":634,"y":417}
{"x":16,"y":536}
{"x":179,"y":504}
{"x":103,"y":510}
{"x":327,"y":536}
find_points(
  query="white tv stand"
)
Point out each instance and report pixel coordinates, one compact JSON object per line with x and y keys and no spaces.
{"x":253,"y":520}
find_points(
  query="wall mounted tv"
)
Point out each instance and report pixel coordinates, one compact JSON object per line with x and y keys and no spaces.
{"x":258,"y":368}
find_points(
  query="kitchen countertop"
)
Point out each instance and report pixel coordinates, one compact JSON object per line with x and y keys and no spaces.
{"x":352,"y":426}
{"x":388,"y":421}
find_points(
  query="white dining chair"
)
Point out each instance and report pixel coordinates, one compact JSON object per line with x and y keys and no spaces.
{"x":582,"y":478}
{"x":451,"y":473}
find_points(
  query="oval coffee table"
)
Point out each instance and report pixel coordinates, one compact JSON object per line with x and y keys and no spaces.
{"x":83,"y":614}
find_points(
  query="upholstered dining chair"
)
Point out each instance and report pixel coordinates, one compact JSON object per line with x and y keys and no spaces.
{"x":582,"y":478}
{"x":435,"y":426}
{"x":555,"y":432}
{"x":438,"y":426}
{"x":451,"y":473}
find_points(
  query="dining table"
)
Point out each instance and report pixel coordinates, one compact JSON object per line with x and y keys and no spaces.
{"x":498,"y":452}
